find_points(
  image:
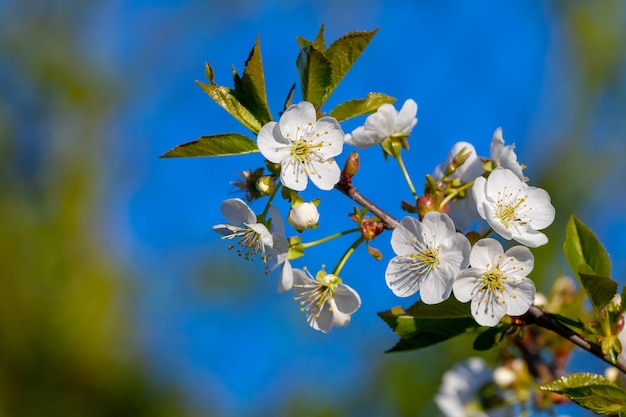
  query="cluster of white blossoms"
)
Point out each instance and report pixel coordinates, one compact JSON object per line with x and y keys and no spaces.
{"x":433,"y":256}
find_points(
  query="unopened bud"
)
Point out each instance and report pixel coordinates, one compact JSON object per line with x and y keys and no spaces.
{"x":458,"y":160}
{"x":426,"y":204}
{"x":303,"y":216}
{"x":266,"y":185}
{"x":351,"y":167}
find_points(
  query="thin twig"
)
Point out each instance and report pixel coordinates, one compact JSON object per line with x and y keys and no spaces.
{"x":539,"y":317}
{"x":350,"y":191}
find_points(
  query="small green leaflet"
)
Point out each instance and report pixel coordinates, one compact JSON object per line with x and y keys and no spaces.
{"x":225,"y":98}
{"x":590,"y":261}
{"x":583,"y":247}
{"x":250,"y":87}
{"x":424,"y":325}
{"x":592,"y":392}
{"x":359,"y":107}
{"x":215,"y":145}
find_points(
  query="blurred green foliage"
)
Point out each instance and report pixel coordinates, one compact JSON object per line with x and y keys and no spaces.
{"x":66,"y":347}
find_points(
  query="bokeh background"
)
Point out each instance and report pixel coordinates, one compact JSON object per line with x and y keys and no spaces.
{"x":117,"y":299}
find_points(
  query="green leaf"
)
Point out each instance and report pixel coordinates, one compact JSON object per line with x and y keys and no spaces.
{"x":590,"y":261}
{"x":590,"y":391}
{"x":490,"y":337}
{"x":315,"y":74}
{"x":226,"y":99}
{"x":600,"y":289}
{"x":250,"y":88}
{"x":344,"y":52}
{"x":583,"y":247}
{"x":361,"y":106}
{"x":424,"y":325}
{"x":214,"y":145}
{"x":319,"y":42}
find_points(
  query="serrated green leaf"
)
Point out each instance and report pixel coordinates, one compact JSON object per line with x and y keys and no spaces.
{"x":583,"y":247}
{"x":590,"y":391}
{"x":344,"y":52}
{"x":214,"y":145}
{"x":315,"y":74}
{"x":424,"y":325}
{"x":361,"y":106}
{"x":319,"y":42}
{"x":224,"y":97}
{"x":587,"y":257}
{"x":600,"y":289}
{"x":250,"y":87}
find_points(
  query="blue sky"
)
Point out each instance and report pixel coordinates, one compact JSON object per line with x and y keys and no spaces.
{"x":470,"y":66}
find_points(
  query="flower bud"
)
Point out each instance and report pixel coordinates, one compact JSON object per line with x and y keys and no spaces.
{"x":266,"y":185}
{"x":350,"y":168}
{"x":303,"y":216}
{"x":426,"y":204}
{"x":371,"y":229}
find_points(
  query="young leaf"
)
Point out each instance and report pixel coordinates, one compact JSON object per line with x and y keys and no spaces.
{"x":214,"y":145}
{"x":344,"y":52}
{"x":315,"y":74}
{"x":250,"y":88}
{"x":225,"y":98}
{"x":424,"y":325}
{"x":359,"y":107}
{"x":590,"y":391}
{"x":319,"y":42}
{"x":583,"y":247}
{"x":600,"y":289}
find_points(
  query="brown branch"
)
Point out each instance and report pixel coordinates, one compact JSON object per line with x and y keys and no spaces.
{"x":539,"y":317}
{"x":349,"y":190}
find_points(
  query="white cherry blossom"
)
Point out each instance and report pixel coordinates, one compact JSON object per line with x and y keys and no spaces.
{"x":386,"y":122}
{"x":251,"y":237}
{"x":496,"y":282}
{"x":304,"y":147}
{"x":505,"y":156}
{"x":430,"y":254}
{"x":325,"y":299}
{"x":512,"y":208}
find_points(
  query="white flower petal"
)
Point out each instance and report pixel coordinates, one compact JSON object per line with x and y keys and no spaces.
{"x":488,"y":310}
{"x":346,"y":299}
{"x":272,"y":144}
{"x":400,"y":278}
{"x":292,"y":174}
{"x":436,"y":287}
{"x":520,"y":297}
{"x":325,"y":175}
{"x":406,"y":119}
{"x":285,"y":283}
{"x":383,"y":121}
{"x":484,"y":252}
{"x":237,"y":211}
{"x":466,"y":283}
{"x":296,"y":119}
{"x":405,"y":234}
